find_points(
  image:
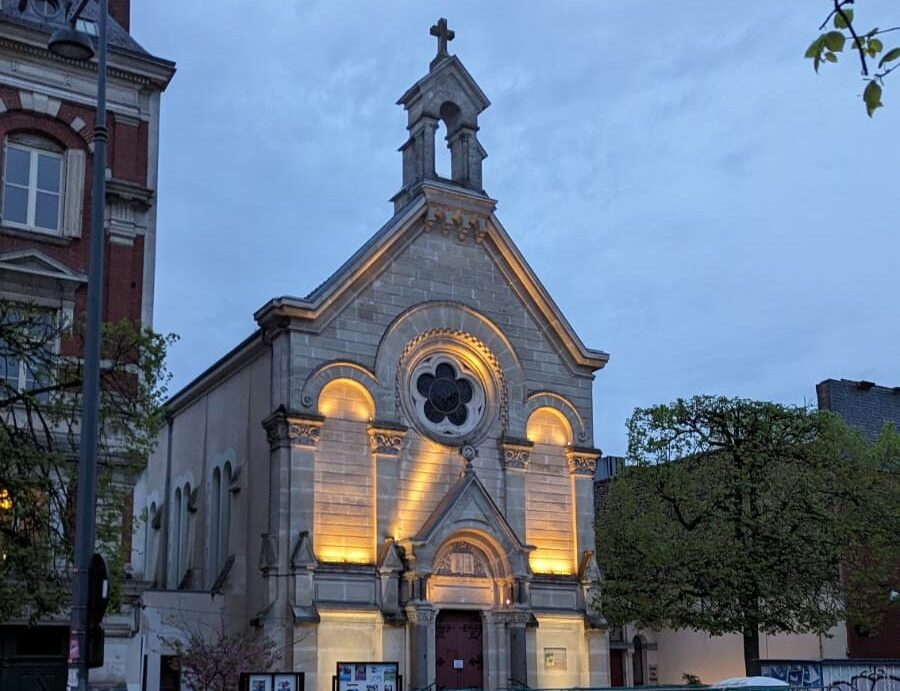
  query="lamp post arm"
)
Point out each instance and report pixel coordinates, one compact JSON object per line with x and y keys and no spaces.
{"x":72,"y":16}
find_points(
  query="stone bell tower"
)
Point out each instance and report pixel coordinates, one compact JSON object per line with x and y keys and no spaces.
{"x":449,"y":94}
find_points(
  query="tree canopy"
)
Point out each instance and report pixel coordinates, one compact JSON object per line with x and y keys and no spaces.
{"x":40,"y":384}
{"x":737,"y":516}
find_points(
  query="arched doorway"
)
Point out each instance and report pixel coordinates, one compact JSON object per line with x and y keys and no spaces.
{"x":459,"y":650}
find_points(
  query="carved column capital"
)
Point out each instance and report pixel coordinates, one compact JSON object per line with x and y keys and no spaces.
{"x":515,"y":452}
{"x":421,"y":614}
{"x":386,"y":439}
{"x":582,"y":461}
{"x":286,"y":429}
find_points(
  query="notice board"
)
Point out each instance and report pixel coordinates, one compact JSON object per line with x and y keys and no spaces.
{"x":368,"y":676}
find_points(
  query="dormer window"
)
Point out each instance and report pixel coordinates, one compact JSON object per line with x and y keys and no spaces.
{"x":32,"y":187}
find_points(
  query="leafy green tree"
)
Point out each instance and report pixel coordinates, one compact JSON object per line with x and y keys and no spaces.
{"x":737,"y":516}
{"x":40,"y":383}
{"x":876,"y":63}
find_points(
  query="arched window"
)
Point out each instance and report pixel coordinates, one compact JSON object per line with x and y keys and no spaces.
{"x":215,"y":500}
{"x":225,"y":520}
{"x":175,"y":535}
{"x":148,"y":543}
{"x":183,"y":535}
{"x":638,"y":661}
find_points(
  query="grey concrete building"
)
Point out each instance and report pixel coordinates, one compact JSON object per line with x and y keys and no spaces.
{"x":398,"y":466}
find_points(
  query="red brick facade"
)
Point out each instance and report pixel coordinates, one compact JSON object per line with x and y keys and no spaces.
{"x":127,"y":160}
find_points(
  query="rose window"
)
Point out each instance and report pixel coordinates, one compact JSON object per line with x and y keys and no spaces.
{"x":447,"y":396}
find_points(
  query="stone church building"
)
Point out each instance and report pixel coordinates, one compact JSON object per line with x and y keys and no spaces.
{"x":398,"y":466}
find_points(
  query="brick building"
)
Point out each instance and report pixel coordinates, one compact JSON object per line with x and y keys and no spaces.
{"x":867,"y":407}
{"x":47,"y":107}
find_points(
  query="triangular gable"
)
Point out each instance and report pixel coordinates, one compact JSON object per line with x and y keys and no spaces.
{"x":468,"y":506}
{"x":471,"y":213}
{"x":36,"y":263}
{"x":452,"y":65}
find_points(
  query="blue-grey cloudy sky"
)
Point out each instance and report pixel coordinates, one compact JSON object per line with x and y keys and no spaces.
{"x":699,"y":203}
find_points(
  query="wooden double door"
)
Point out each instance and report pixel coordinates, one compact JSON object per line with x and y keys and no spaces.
{"x":459,"y":650}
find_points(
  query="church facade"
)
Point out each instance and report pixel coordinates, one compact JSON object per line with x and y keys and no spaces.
{"x":397,"y":467}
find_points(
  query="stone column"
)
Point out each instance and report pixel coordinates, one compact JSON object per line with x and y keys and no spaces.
{"x":582,"y":464}
{"x":293,"y":439}
{"x":386,"y":442}
{"x":515,"y":454}
{"x":421,"y":619}
{"x":518,"y":656}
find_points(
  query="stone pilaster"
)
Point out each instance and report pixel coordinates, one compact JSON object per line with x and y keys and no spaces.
{"x":582,"y":465}
{"x":293,"y":439}
{"x":386,"y":443}
{"x":516,"y":621}
{"x":421,"y":618}
{"x":514,"y":454}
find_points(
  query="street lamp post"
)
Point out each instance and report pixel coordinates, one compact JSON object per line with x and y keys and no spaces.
{"x":74,"y":45}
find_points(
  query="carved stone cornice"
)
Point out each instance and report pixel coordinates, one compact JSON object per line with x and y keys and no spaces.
{"x":386,"y":438}
{"x":424,"y":615}
{"x":515,"y":452}
{"x":582,"y":460}
{"x":285,"y":429}
{"x":462,"y":224}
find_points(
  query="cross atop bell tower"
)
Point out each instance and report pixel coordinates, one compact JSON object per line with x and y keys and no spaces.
{"x":449,"y":94}
{"x":444,"y":36}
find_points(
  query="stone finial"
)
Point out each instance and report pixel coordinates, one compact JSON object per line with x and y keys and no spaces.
{"x":582,"y":461}
{"x":516,"y":453}
{"x":286,"y":429}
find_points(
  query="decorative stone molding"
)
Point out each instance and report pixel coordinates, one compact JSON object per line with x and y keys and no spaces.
{"x":462,"y":225}
{"x":385,"y":438}
{"x":513,"y":617}
{"x":582,"y":461}
{"x":424,"y":615}
{"x":288,"y":429}
{"x":515,"y":452}
{"x":496,"y":391}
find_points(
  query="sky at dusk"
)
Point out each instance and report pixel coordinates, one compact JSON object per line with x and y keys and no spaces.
{"x":698,"y":202}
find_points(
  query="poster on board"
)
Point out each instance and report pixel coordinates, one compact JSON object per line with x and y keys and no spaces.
{"x":368,"y":676}
{"x":271,"y":681}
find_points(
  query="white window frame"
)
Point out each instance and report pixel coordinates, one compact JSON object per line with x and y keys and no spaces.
{"x":22,"y":377}
{"x":32,"y":189}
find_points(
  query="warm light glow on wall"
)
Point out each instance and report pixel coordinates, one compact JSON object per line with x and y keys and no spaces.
{"x":344,"y":480}
{"x":347,"y":399}
{"x":548,"y":426}
{"x":346,"y":555}
{"x":6,"y":502}
{"x":555,"y":567}
{"x":420,"y":493}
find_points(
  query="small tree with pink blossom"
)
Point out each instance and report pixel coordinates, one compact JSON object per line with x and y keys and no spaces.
{"x":215,"y":663}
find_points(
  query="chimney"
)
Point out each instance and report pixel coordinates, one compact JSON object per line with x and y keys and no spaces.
{"x":120,"y":10}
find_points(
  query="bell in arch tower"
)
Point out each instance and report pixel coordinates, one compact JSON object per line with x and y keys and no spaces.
{"x":446,"y":94}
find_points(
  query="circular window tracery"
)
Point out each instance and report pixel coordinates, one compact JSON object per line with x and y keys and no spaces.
{"x":447,"y":397}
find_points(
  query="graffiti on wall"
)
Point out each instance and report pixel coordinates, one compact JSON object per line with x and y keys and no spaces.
{"x":836,"y":675}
